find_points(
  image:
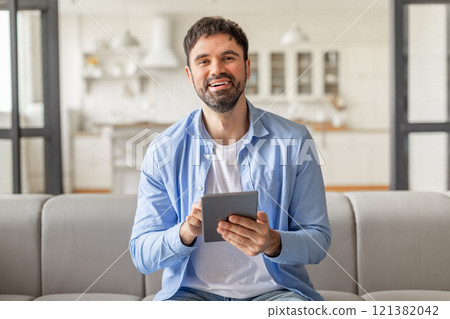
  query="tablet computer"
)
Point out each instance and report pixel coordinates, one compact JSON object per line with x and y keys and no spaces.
{"x":217,"y":207}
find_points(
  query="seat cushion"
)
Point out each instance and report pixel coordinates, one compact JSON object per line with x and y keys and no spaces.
{"x":408,"y":295}
{"x":401,"y":240}
{"x":330,"y":295}
{"x":16,"y":298}
{"x":89,"y":297}
{"x":85,"y":245}
{"x":338,"y":270}
{"x":20,"y":244}
{"x":149,"y":298}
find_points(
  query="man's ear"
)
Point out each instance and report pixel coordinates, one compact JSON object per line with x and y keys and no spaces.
{"x":189,"y":74}
{"x":248,"y":68}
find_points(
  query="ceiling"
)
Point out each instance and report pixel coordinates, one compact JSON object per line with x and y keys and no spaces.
{"x":174,"y":7}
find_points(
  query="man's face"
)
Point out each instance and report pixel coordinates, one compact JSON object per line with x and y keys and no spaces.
{"x":218,"y":71}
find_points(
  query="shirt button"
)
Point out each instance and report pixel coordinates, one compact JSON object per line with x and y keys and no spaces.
{"x":199,"y":188}
{"x":207,"y":156}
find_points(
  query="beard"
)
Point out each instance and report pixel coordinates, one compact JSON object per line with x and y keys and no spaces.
{"x":224,"y":100}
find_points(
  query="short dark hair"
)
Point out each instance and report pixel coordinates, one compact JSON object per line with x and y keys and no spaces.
{"x":214,"y":25}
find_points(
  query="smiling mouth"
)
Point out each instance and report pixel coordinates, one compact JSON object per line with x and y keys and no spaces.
{"x":219,"y":84}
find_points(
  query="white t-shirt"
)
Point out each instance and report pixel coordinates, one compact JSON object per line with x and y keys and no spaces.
{"x":219,"y":267}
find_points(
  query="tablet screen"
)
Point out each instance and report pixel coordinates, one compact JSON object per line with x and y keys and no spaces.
{"x":217,"y":207}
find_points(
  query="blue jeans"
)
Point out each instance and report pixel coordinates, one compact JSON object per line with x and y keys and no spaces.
{"x":190,"y":294}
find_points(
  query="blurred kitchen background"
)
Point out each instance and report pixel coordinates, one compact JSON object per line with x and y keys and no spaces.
{"x":343,"y":95}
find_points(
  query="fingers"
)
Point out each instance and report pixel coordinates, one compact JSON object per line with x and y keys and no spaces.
{"x":262,"y":218}
{"x":230,"y":229}
{"x":250,"y":236}
{"x":193,"y":221}
{"x":192,"y":226}
{"x":195,"y":216}
{"x":196,"y":211}
{"x":197,"y":205}
{"x":246,"y":246}
{"x":251,"y":246}
{"x":260,"y":226}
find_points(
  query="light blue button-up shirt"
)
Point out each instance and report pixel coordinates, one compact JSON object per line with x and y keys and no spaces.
{"x":279,"y":161}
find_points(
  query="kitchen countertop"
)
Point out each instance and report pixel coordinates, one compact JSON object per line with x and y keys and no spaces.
{"x":133,"y":124}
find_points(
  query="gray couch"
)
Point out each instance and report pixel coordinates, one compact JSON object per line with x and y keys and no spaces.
{"x":385,"y":246}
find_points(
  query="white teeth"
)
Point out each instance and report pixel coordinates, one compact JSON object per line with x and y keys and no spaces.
{"x":217,"y":84}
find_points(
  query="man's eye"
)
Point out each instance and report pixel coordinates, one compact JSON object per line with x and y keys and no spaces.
{"x":202,"y":62}
{"x":229,"y":58}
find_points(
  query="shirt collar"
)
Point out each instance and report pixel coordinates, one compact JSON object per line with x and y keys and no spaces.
{"x":256,"y":128}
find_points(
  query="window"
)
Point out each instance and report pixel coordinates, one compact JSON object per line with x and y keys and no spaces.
{"x":29,"y":105}
{"x":421,"y":112}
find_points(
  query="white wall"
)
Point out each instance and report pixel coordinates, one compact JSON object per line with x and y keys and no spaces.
{"x":71,"y":92}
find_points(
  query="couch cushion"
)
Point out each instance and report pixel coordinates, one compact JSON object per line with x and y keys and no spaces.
{"x":329,"y":295}
{"x":408,"y":295}
{"x":328,"y":274}
{"x":20,"y":244}
{"x":402,"y":240}
{"x":153,"y":282}
{"x":85,"y":238}
{"x":16,"y":298}
{"x":89,"y":297}
{"x":149,"y":297}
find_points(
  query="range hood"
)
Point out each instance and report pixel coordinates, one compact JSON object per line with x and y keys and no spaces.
{"x":161,"y":55}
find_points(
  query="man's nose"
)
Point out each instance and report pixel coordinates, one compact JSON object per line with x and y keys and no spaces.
{"x":216,"y":67}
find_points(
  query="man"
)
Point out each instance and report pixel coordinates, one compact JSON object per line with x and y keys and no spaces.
{"x":226,"y":146}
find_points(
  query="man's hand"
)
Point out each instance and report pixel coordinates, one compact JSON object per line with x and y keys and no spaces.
{"x":251,"y":237}
{"x":192,"y":226}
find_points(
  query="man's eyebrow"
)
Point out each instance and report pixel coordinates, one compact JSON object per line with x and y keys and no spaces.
{"x":201,"y":56}
{"x":230,"y":52}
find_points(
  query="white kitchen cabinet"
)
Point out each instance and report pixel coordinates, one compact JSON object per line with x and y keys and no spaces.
{"x":253,"y":84}
{"x":277,"y":80}
{"x":295,"y":73}
{"x":304,"y":73}
{"x":92,"y":162}
{"x":354,"y":157}
{"x":110,"y":160}
{"x":331,"y":73}
{"x":126,"y":170}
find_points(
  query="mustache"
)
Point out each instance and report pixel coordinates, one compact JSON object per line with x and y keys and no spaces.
{"x":220,"y":76}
